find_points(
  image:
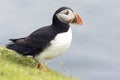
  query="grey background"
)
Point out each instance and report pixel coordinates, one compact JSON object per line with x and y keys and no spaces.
{"x":95,"y":49}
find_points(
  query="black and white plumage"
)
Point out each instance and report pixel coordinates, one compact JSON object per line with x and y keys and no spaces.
{"x":49,"y":41}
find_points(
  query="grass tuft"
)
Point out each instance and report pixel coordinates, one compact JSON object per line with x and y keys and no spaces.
{"x":17,"y":67}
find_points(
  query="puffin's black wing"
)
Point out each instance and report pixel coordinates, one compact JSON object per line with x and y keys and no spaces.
{"x":41,"y":37}
{"x":34,"y":43}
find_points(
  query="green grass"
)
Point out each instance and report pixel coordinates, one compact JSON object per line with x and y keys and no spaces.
{"x":16,"y":67}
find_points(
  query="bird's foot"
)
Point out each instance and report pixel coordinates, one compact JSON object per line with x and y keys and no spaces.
{"x":42,"y":67}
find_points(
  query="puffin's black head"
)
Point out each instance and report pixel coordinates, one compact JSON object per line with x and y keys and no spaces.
{"x":66,"y":15}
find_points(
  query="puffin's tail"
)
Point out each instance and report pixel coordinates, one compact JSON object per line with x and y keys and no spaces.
{"x":22,"y":49}
{"x":19,"y":48}
{"x":15,"y":47}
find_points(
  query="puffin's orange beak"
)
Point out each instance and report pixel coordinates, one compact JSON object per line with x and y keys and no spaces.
{"x":76,"y":20}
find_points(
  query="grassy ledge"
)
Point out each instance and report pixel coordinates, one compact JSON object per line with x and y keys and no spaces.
{"x":16,"y":67}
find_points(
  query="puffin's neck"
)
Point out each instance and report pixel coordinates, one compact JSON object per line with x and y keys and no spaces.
{"x":59,"y":26}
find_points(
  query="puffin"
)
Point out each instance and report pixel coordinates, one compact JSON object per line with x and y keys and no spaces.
{"x":49,"y":41}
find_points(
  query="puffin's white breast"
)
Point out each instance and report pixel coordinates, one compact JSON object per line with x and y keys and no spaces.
{"x":58,"y":46}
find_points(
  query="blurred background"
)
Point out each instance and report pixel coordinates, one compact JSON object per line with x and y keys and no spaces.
{"x":95,"y":50}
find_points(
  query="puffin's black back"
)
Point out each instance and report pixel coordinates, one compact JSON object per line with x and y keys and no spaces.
{"x":36,"y":42}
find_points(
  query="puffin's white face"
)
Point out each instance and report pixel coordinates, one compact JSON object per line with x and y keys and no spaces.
{"x":65,"y":16}
{"x":69,"y":16}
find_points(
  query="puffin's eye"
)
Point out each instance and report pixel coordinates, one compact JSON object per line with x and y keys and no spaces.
{"x":67,"y":12}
